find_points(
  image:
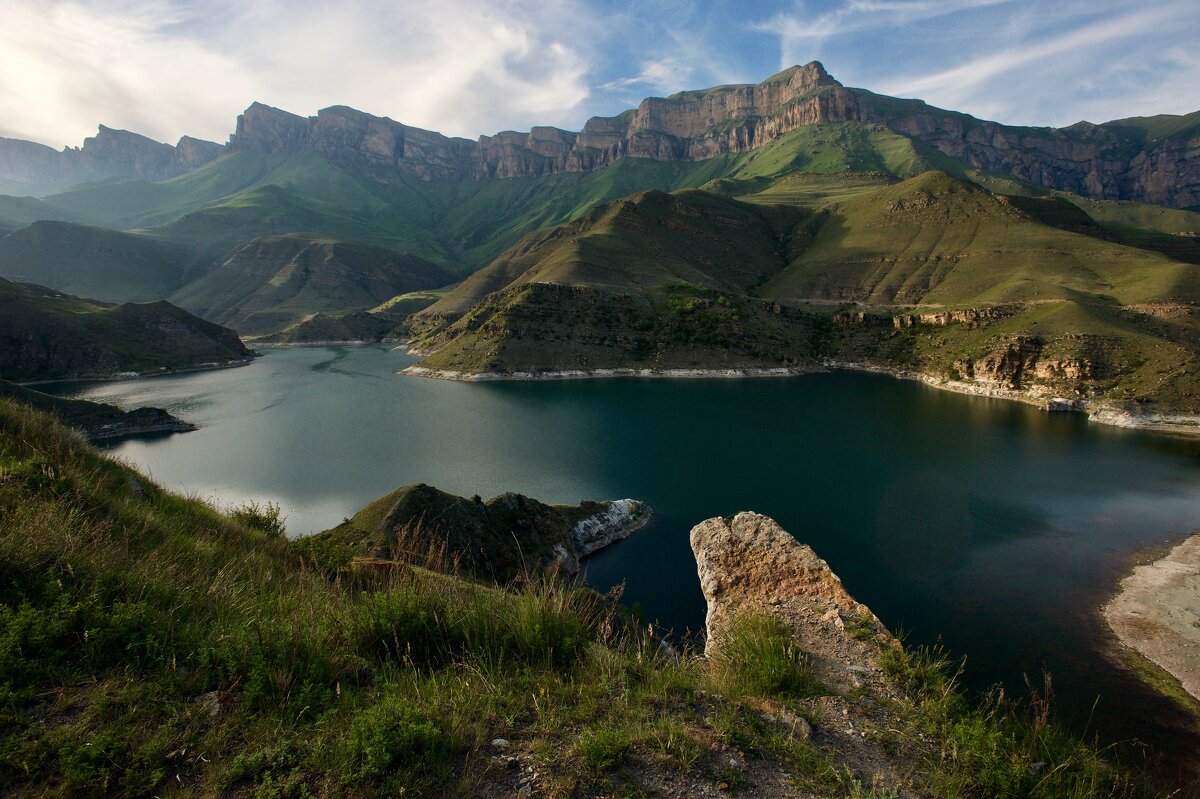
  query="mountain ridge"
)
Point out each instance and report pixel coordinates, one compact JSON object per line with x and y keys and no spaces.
{"x":1151,"y":159}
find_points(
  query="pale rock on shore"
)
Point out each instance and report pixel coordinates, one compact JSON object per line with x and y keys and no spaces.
{"x":1157,"y":613}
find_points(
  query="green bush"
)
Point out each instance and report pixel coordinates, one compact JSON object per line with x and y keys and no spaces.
{"x":267,"y":517}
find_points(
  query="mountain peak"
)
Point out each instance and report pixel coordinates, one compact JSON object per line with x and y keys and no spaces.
{"x":811,"y":75}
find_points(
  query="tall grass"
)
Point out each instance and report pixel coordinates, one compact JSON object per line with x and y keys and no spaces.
{"x":151,"y":645}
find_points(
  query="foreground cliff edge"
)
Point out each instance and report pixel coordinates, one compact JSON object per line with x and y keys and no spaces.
{"x":1157,"y":615}
{"x":151,"y":644}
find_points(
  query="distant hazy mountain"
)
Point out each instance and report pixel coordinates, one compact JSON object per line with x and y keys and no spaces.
{"x":30,"y":168}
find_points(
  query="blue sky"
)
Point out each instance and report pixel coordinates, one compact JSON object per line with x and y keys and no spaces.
{"x":464,"y":67}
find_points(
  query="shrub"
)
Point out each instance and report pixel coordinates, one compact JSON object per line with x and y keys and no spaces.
{"x":267,"y":517}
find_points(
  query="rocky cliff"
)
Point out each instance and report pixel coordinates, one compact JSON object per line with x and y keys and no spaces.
{"x":110,"y":153}
{"x":1120,"y":160}
{"x":1153,"y":160}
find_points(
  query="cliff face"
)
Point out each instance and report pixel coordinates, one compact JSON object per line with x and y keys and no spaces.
{"x":1154,"y":160}
{"x":1111,"y":161}
{"x":685,"y":126}
{"x":347,"y":136}
{"x":110,"y":153}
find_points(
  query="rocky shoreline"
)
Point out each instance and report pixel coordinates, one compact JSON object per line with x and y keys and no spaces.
{"x":120,"y":376}
{"x":1099,"y":413}
{"x":588,"y":374}
{"x":1157,"y":613}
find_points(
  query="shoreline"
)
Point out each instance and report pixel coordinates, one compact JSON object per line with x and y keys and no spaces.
{"x":122,"y":376}
{"x":1181,"y":424}
{"x":1156,"y":614}
{"x":1186,"y":425}
{"x":358,"y":342}
{"x":590,"y":374}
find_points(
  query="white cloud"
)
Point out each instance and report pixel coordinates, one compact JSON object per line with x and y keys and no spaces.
{"x":170,"y":67}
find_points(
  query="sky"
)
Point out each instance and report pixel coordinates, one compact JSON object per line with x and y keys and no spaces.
{"x":165,"y":68}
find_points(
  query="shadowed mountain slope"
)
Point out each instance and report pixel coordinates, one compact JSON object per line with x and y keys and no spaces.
{"x":275,"y":281}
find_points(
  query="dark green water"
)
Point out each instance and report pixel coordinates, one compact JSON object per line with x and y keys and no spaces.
{"x":989,"y":525}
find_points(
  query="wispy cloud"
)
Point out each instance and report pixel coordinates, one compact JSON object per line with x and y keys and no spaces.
{"x":465,"y":67}
{"x":1018,"y":61}
{"x":171,"y":67}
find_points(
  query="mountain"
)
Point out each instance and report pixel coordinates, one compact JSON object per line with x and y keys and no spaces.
{"x":1011,"y":295}
{"x":45,"y":334}
{"x":799,"y":139}
{"x":1153,"y":159}
{"x":275,"y":281}
{"x":31,"y":168}
{"x":108,"y":265}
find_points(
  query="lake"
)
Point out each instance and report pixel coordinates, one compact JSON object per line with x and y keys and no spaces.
{"x":989,"y":526}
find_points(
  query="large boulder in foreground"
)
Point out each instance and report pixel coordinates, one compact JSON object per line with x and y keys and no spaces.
{"x":502,"y":538}
{"x":749,"y":564}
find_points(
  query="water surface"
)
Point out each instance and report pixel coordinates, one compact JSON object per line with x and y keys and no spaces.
{"x":988,"y":525}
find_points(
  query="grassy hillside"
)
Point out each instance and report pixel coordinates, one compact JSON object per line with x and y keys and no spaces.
{"x":643,"y":243}
{"x":45,"y":334}
{"x":936,"y":239}
{"x":94,"y":262}
{"x":1011,"y":292}
{"x":152,"y":645}
{"x":275,"y":281}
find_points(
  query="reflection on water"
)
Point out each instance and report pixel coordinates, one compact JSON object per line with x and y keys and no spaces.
{"x":990,"y":525}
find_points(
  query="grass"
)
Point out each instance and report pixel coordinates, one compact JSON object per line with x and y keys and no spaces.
{"x":152,"y":645}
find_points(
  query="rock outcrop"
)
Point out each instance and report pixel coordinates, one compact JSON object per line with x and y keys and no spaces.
{"x":502,"y":538}
{"x":750,"y":564}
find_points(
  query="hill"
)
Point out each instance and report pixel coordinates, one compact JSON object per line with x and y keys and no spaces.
{"x":89,"y":261}
{"x":500,"y":539}
{"x":45,"y":334}
{"x":1018,"y":296}
{"x":275,"y":281}
{"x":199,"y":654}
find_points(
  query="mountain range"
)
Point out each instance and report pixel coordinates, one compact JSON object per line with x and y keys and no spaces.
{"x":778,"y":224}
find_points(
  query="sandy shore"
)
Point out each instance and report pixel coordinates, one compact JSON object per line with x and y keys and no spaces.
{"x":1157,"y":613}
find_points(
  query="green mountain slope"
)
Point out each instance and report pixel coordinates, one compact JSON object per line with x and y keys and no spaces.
{"x":94,"y":262}
{"x":1023,"y":296}
{"x":45,"y":334}
{"x":643,"y":243}
{"x":275,"y":281}
{"x":935,"y":239}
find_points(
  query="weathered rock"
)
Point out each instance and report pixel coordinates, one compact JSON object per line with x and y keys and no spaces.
{"x":751,"y":564}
